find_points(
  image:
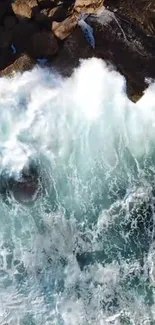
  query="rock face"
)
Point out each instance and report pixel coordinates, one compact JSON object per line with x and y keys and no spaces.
{"x":123,"y":35}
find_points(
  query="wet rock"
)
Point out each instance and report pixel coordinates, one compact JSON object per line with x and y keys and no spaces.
{"x":24,"y":8}
{"x":140,"y":12}
{"x":23,"y":63}
{"x":75,"y":47}
{"x":25,"y":188}
{"x":126,"y":47}
{"x":43,"y":44}
{"x":63,"y":30}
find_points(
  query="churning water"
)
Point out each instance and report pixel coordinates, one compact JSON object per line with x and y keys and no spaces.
{"x":83,"y":252}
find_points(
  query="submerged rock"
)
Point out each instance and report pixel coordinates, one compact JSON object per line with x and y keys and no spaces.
{"x":25,"y":188}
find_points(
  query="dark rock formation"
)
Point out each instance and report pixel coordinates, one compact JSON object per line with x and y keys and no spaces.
{"x":74,"y":48}
{"x":42,"y":43}
{"x":124,"y":36}
{"x":139,"y":12}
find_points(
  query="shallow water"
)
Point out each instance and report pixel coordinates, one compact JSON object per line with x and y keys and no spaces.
{"x":83,"y":252}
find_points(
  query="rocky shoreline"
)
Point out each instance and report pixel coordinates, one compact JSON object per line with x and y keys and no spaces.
{"x":58,"y":34}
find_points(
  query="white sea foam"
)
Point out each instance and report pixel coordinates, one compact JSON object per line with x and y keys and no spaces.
{"x":66,"y":259}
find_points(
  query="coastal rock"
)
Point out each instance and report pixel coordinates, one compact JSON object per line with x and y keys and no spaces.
{"x":127,"y":48}
{"x":122,"y":33}
{"x":140,"y":12}
{"x":23,"y":63}
{"x":64,"y":29}
{"x":22,"y":32}
{"x":88,"y":6}
{"x":24,"y":8}
{"x":25,"y":189}
{"x":43,"y":44}
{"x":74,"y":48}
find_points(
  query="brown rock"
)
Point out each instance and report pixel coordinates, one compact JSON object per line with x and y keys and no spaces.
{"x":23,"y":63}
{"x":88,"y":6}
{"x":43,"y":44}
{"x":24,"y":8}
{"x":63,"y":30}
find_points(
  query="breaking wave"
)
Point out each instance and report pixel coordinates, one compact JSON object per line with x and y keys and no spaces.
{"x":83,"y":252}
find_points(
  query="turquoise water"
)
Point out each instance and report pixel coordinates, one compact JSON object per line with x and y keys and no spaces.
{"x":83,"y":251}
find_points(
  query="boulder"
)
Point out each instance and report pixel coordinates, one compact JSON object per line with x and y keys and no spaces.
{"x":25,"y":189}
{"x":74,"y":48}
{"x":42,"y":44}
{"x":63,"y":30}
{"x":24,"y":8}
{"x":23,"y":63}
{"x":22,"y":32}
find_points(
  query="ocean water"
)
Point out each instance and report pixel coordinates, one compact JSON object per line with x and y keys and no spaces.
{"x":83,"y":251}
